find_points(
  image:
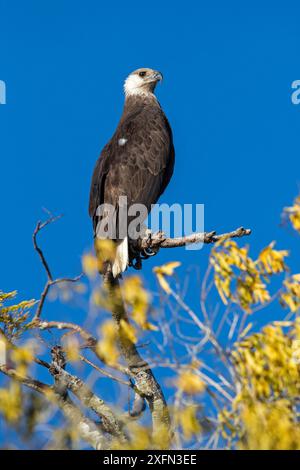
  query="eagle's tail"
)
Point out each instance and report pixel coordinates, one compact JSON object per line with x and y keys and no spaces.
{"x":122,"y":258}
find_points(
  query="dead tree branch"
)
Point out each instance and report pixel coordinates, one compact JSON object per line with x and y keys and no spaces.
{"x":90,"y":340}
{"x":110,"y":422}
{"x":158,"y":240}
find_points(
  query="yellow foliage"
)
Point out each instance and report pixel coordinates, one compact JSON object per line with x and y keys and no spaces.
{"x":107,"y":345}
{"x":161,"y":437}
{"x":139,"y":438}
{"x":269,"y":426}
{"x":163,"y":283}
{"x":137,"y":298}
{"x":293,"y":213}
{"x":262,"y":415}
{"x":128,"y":331}
{"x":246,"y":330}
{"x":68,"y":433}
{"x":190,"y":383}
{"x":168,"y":268}
{"x":72,"y":348}
{"x":22,"y":357}
{"x":4,"y":296}
{"x":272,"y":261}
{"x":239,"y":278}
{"x":15,"y":316}
{"x":90,"y":265}
{"x":265,"y":361}
{"x":188,"y":421}
{"x":291,"y":296}
{"x":105,"y":250}
{"x":165,"y":270}
{"x":11,"y":402}
{"x":251,"y":290}
{"x":24,"y":354}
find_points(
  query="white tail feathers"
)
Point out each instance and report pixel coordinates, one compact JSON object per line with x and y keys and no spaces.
{"x":121,"y":261}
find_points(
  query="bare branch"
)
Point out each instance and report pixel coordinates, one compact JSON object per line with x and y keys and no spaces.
{"x":90,"y":340}
{"x":50,"y":281}
{"x":145,"y":382}
{"x":42,"y":300}
{"x":105,"y":372}
{"x":87,"y":429}
{"x":60,"y":325}
{"x":158,"y":240}
{"x":110,"y":422}
{"x":40,"y":225}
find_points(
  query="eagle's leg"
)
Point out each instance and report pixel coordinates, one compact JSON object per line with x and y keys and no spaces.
{"x":153,"y":243}
{"x":135,"y":260}
{"x":137,"y":254}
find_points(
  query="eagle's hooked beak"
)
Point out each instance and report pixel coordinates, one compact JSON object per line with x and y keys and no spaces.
{"x":156,"y":77}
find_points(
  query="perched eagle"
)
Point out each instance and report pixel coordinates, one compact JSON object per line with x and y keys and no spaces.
{"x":138,"y":161}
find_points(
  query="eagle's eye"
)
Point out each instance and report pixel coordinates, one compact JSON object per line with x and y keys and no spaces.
{"x":142,"y":74}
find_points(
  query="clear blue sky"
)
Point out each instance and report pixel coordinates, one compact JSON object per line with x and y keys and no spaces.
{"x":228,"y":69}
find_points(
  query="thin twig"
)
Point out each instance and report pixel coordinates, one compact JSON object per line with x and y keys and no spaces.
{"x":50,"y":281}
{"x":40,"y":225}
{"x":105,"y":372}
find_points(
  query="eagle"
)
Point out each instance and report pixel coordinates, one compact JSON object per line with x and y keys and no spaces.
{"x":137,"y":162}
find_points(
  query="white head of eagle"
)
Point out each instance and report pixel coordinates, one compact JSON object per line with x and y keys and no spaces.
{"x":142,"y":82}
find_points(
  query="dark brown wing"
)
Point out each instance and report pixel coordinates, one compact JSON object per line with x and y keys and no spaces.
{"x":97,"y":184}
{"x":137,"y":162}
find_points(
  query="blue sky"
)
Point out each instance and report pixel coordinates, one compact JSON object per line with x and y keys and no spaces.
{"x":227,"y":72}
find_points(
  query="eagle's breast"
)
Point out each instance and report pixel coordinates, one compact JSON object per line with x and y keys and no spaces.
{"x":138,"y":160}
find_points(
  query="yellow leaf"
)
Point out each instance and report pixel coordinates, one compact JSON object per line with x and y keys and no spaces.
{"x":167,"y":269}
{"x":90,"y":265}
{"x":189,"y":422}
{"x":11,"y":402}
{"x":246,"y":330}
{"x":105,"y":251}
{"x":72,"y":349}
{"x":150,"y":326}
{"x":163,"y":283}
{"x":137,"y":298}
{"x":272,"y":261}
{"x":128,"y":331}
{"x":107,"y":346}
{"x":294,"y":214}
{"x":291,"y":296}
{"x":23,"y":354}
{"x":190,"y":383}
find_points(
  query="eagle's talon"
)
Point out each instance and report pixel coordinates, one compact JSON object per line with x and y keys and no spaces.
{"x":136,"y":263}
{"x":148,"y":252}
